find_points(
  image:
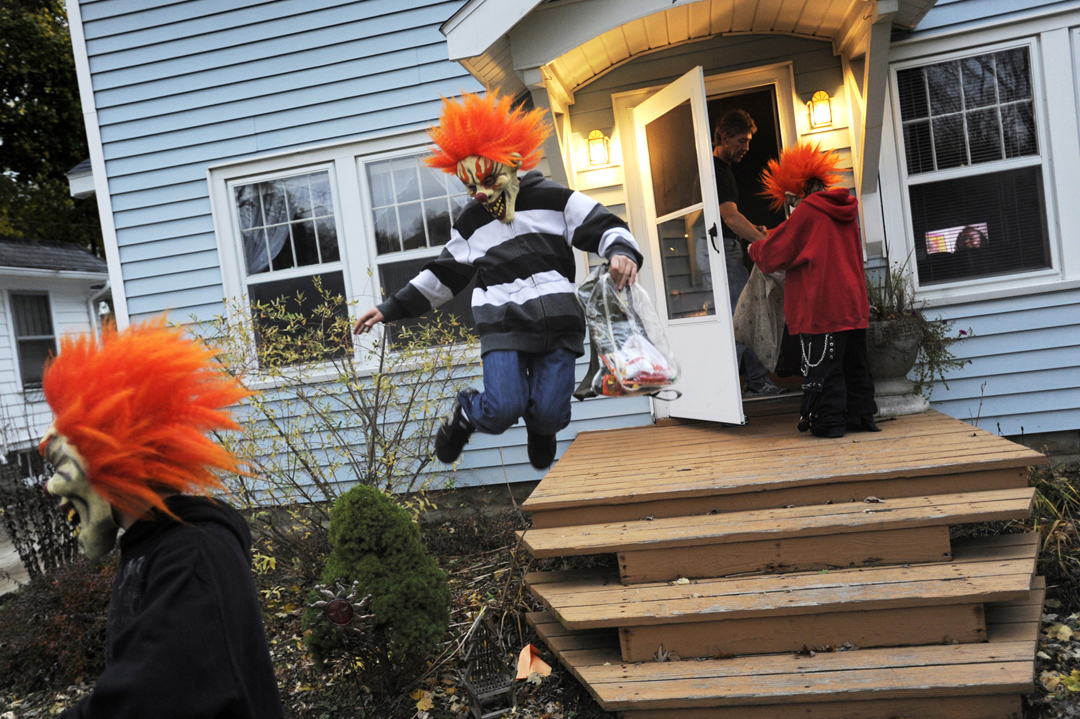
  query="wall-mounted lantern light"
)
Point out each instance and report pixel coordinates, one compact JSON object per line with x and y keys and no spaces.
{"x":820,"y":110}
{"x":598,"y":148}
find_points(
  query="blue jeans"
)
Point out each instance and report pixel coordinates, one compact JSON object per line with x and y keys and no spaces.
{"x":737,"y":277}
{"x":535,"y":385}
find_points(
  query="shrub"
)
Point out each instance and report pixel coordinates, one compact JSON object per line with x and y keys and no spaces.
{"x":377,"y":543}
{"x":36,"y":527}
{"x":52,"y":632}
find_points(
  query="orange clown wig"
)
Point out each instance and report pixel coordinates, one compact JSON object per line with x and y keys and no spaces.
{"x":137,"y":405}
{"x":486,"y":127}
{"x":796,"y":167}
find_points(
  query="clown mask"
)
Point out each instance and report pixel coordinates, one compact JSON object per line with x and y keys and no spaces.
{"x":87,"y":511}
{"x":493,"y":184}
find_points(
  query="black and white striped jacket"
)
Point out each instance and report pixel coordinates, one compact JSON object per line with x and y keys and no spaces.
{"x":524,"y":297}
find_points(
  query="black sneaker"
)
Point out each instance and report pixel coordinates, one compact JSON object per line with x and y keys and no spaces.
{"x":831,"y":432}
{"x":541,"y":450}
{"x":454,"y":432}
{"x":863,"y":423}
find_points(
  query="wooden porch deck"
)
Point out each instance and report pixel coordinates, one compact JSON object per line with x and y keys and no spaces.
{"x":739,"y":546}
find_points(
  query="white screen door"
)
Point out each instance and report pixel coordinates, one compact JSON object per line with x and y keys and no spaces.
{"x":683,"y":220}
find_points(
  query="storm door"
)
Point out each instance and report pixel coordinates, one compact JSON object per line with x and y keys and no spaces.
{"x":683,"y":221}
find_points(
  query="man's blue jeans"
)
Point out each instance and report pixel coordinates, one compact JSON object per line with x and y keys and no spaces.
{"x":535,"y":385}
{"x":737,"y":277}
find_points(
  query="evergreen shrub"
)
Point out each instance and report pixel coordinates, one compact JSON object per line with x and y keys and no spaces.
{"x":376,"y":543}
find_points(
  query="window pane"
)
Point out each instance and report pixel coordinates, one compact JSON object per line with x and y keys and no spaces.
{"x":438,"y":222}
{"x":307,"y":251}
{"x":312,"y":339}
{"x":917,"y":146}
{"x":949,"y":141}
{"x":911,"y":86}
{"x":394,"y":276}
{"x":673,"y":160}
{"x":1018,"y":122}
{"x":248,"y":208}
{"x":984,"y":135}
{"x":980,"y":226}
{"x":412,"y":226}
{"x":457,"y":204}
{"x":944,"y":82}
{"x":31,"y":315}
{"x":32,"y":357}
{"x":299,"y":196}
{"x":980,"y":88}
{"x":684,"y":248}
{"x":432,"y":183}
{"x":387,"y":236}
{"x":273,"y":199}
{"x":455,"y":186}
{"x":322,"y":201}
{"x":1014,"y":75}
{"x":328,"y":245}
{"x":280,"y":247}
{"x":382,"y":192}
{"x":406,"y":181}
{"x":255,"y":251}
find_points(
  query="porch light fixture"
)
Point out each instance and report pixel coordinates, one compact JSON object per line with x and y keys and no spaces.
{"x":820,"y":110}
{"x":598,"y":148}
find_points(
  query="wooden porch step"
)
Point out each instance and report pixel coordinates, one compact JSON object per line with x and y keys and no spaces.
{"x":982,"y":681}
{"x":695,"y":469}
{"x":896,"y":531}
{"x":880,"y":606}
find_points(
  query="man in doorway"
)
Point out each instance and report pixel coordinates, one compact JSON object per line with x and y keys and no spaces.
{"x":731,"y":141}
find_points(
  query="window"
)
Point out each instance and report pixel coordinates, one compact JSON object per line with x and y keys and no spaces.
{"x":974,"y":167}
{"x":413,"y":207}
{"x":34,"y":336}
{"x":290,"y":244}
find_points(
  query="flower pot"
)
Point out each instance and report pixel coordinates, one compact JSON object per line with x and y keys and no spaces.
{"x":892,"y":347}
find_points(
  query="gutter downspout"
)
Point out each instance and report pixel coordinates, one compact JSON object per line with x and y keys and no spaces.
{"x":91,"y":305}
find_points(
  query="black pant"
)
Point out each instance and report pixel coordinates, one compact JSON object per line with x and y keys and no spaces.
{"x":838,"y":389}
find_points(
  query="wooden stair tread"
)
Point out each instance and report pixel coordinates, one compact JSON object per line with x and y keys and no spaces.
{"x":705,"y":460}
{"x":1000,"y":572}
{"x":814,"y":520}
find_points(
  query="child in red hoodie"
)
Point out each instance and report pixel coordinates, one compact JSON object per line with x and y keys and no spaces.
{"x":825,"y":292}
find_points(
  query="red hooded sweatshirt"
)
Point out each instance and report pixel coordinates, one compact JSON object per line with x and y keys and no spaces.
{"x":820,"y":247}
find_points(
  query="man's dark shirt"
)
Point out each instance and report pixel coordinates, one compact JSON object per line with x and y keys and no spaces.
{"x":727,"y":190}
{"x":185,"y":633}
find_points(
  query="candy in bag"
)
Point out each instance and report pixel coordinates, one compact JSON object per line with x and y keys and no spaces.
{"x":627,"y":337}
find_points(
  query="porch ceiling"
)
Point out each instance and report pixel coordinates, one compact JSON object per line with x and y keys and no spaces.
{"x":578,"y":41}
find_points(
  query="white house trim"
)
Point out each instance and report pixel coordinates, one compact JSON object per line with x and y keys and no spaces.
{"x":97,"y":162}
{"x":472,"y":29}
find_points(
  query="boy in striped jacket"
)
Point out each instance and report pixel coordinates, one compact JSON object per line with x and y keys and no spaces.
{"x":517,"y":238}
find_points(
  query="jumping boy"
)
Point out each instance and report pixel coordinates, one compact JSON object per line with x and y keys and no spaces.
{"x":518,"y":238}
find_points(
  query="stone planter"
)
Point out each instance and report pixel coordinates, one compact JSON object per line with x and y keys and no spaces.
{"x":891,"y":352}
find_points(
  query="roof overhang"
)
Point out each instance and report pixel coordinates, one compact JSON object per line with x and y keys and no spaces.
{"x":73,"y":275}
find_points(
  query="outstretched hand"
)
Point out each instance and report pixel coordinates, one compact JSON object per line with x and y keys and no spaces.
{"x":367,"y":320}
{"x":623,"y":271}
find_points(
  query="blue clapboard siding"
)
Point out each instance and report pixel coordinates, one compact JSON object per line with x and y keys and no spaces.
{"x":179,"y":86}
{"x":955,"y":14}
{"x":1024,"y":375}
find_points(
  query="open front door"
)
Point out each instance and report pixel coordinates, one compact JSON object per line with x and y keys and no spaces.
{"x":683,"y":220}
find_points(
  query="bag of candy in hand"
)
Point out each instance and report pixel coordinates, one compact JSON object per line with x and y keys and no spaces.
{"x":627,"y":337}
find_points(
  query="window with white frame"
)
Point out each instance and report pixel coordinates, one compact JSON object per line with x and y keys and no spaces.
{"x":974,"y":167}
{"x":288,"y":232}
{"x":413,"y":207}
{"x":34,"y":336}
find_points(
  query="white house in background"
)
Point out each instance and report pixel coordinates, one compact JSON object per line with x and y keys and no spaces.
{"x":47,"y":289}
{"x":948,"y":115}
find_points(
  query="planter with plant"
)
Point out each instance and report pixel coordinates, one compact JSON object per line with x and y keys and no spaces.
{"x":901,"y":338}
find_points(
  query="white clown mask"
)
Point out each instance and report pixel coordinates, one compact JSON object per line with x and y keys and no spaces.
{"x":493,"y":184}
{"x":90,"y":515}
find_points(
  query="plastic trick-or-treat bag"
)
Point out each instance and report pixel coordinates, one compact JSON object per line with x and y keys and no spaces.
{"x":634,"y":356}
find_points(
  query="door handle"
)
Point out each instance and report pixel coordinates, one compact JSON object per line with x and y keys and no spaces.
{"x":712,"y":237}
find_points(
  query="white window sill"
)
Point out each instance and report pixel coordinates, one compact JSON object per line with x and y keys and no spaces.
{"x":1039,"y":282}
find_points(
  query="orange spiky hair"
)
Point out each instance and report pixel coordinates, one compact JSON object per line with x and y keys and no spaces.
{"x":137,"y":405}
{"x":797,"y":165}
{"x":486,"y":127}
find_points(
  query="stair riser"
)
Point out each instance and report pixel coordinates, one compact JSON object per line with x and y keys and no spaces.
{"x":890,"y":627}
{"x":807,"y":494}
{"x":991,"y":707}
{"x":863,"y":549}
